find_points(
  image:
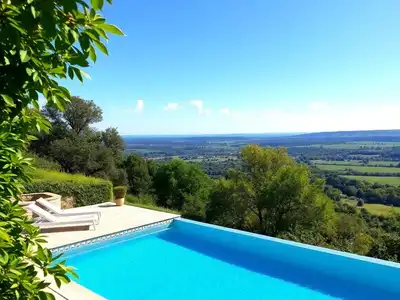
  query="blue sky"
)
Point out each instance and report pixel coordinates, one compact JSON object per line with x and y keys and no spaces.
{"x":249,"y":66}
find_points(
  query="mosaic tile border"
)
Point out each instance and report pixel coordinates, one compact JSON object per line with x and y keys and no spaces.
{"x":105,"y":237}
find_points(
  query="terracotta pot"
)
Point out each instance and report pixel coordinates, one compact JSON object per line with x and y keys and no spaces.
{"x":119,"y":201}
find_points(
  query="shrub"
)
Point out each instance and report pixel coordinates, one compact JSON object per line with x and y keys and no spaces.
{"x":145,"y":199}
{"x":120,"y":191}
{"x":84,"y":190}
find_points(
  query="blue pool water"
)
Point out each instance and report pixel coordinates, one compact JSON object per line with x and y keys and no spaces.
{"x":178,"y":263}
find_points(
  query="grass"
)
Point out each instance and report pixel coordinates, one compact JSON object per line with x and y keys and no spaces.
{"x":362,"y":169}
{"x":154,"y":207}
{"x":337,"y":162}
{"x":376,"y":179}
{"x":40,"y":174}
{"x":146,"y":201}
{"x":376,"y":209}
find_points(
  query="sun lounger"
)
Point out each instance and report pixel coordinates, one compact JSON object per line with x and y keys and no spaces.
{"x":68,"y":212}
{"x":46,"y":220}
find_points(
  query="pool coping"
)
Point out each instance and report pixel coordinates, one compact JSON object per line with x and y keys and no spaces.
{"x":108,"y":236}
{"x":73,"y":289}
{"x":350,"y":255}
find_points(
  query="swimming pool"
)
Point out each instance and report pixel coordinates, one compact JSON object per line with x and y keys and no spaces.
{"x":191,"y":260}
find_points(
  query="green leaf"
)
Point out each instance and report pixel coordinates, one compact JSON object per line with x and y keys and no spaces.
{"x":97,"y":4}
{"x":78,"y":74}
{"x":101,"y":47}
{"x":24,"y":56}
{"x":35,"y":104}
{"x":86,"y":75}
{"x":92,"y":53}
{"x":45,"y":296}
{"x":71,"y":72}
{"x":92,"y":34}
{"x":3,"y":257}
{"x":111,"y":28}
{"x":99,"y":20}
{"x":9,"y":101}
{"x":34,"y":13}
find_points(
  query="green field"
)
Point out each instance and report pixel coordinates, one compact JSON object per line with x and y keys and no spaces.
{"x":334,"y":146}
{"x":376,"y":209}
{"x":355,"y":162}
{"x":376,"y":179}
{"x":363,"y":169}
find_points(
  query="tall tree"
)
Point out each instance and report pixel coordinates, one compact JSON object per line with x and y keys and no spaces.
{"x":76,"y":146}
{"x":273,"y":194}
{"x":138,"y":176}
{"x":41,"y":42}
{"x":175,"y":181}
{"x":78,"y":115}
{"x":112,"y":140}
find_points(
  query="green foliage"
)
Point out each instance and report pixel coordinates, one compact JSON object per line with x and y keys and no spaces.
{"x":154,"y":207}
{"x":272,"y":196}
{"x":138,"y":176}
{"x":41,"y":42}
{"x":84,"y":190}
{"x":119,"y":191}
{"x":145,"y":199}
{"x":228,"y":205}
{"x":78,"y":148}
{"x":178,"y":184}
{"x":20,"y":258}
{"x":44,"y":163}
{"x":78,"y":115}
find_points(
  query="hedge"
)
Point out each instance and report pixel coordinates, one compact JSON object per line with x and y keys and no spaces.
{"x":84,"y":190}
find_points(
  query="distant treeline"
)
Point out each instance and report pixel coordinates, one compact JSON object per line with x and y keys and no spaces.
{"x":369,"y":192}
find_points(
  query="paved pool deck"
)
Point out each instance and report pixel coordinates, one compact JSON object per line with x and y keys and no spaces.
{"x":113,"y":219}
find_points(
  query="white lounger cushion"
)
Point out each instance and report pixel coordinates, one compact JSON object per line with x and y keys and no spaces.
{"x":69,"y":212}
{"x":57,"y":219}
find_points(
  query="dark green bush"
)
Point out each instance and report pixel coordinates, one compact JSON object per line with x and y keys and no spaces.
{"x":84,"y":190}
{"x":120,"y":191}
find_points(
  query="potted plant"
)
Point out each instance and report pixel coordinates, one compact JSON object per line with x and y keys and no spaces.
{"x":119,"y":194}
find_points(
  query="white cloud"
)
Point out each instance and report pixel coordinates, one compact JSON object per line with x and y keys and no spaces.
{"x":139,"y":106}
{"x":206,"y":111}
{"x":201,"y":110}
{"x":335,"y":118}
{"x":225,"y":111}
{"x":319,"y":105}
{"x":171,"y":106}
{"x":198,"y":104}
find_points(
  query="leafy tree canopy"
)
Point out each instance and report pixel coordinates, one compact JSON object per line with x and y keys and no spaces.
{"x":41,"y":42}
{"x":76,"y":146}
{"x":177,"y":182}
{"x":273,"y":194}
